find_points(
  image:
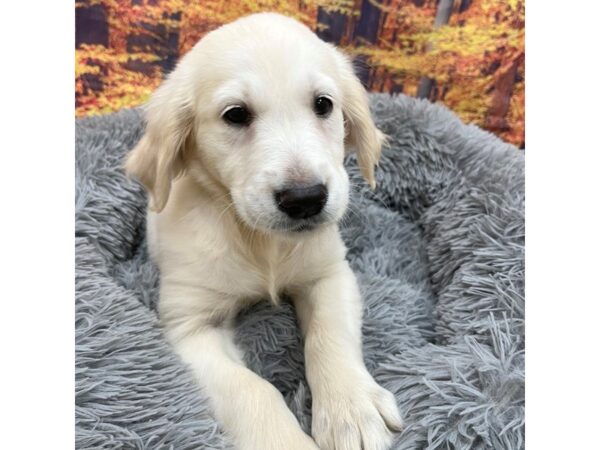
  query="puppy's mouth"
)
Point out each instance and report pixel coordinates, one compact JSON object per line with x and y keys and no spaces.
{"x":298,"y":227}
{"x":286,"y":226}
{"x":304,"y":227}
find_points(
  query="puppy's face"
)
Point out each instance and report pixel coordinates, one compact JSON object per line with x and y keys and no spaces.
{"x":273,"y":132}
{"x":266,"y":111}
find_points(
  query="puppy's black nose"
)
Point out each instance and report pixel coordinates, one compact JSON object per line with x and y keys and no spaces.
{"x":302,"y":202}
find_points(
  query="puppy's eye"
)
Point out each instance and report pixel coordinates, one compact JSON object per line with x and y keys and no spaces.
{"x":238,"y":115}
{"x":323,"y":106}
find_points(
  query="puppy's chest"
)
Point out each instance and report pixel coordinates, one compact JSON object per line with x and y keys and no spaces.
{"x":269,"y":273}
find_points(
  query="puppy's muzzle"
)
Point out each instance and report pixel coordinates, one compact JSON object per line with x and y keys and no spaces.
{"x":302,"y":202}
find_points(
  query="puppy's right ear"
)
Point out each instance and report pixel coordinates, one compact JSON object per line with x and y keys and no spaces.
{"x":160,"y":155}
{"x":362,"y":134}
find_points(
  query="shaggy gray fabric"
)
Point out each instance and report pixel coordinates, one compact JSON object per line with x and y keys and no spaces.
{"x":437,"y":248}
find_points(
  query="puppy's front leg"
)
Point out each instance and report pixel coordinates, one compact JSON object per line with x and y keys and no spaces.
{"x":350,"y":410}
{"x":249,"y":408}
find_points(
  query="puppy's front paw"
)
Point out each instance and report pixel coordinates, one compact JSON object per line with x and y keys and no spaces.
{"x":359,"y":417}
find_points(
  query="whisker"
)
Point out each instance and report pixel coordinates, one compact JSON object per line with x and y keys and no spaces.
{"x":224,"y":211}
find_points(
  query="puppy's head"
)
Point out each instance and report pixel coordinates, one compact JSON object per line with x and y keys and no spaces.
{"x":264,"y":111}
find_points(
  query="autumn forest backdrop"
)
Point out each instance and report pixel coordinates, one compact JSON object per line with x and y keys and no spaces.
{"x":466,"y":54}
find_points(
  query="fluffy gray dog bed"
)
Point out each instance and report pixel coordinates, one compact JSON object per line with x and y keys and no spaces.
{"x":437,"y":248}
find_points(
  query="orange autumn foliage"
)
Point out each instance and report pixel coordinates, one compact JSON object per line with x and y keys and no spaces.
{"x":476,"y":59}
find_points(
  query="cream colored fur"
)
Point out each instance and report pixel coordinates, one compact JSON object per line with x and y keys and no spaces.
{"x":221,"y":244}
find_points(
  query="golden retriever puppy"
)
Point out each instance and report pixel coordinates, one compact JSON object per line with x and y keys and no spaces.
{"x":243,"y":159}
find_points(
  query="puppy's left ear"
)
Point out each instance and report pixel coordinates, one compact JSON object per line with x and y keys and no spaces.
{"x":361,"y":133}
{"x":160,"y":156}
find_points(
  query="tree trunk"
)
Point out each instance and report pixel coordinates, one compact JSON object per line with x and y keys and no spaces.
{"x":336,"y":26}
{"x":91,"y":25}
{"x":442,"y":16}
{"x":367,"y":27}
{"x":172,"y":47}
{"x":503,"y":87}
{"x":464,"y":5}
{"x":366,"y":30}
{"x":162,"y":41}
